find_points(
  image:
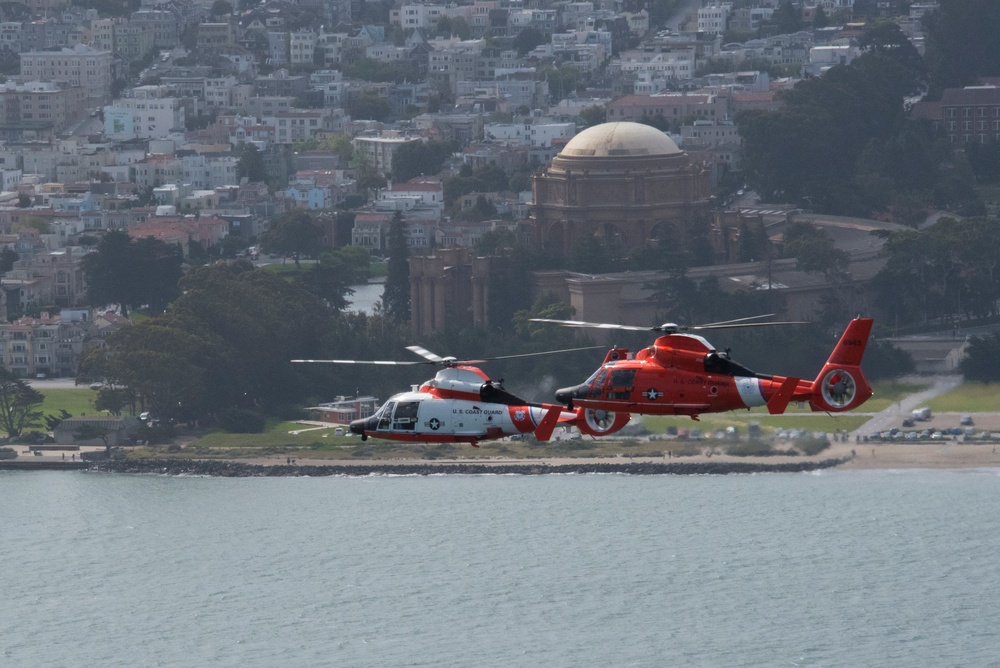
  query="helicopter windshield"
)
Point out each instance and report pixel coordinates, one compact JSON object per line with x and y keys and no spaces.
{"x":716,"y":362}
{"x":384,"y":415}
{"x":596,"y":382}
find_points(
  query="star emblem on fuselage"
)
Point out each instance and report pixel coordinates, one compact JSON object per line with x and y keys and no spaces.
{"x":652,"y":394}
{"x":434,"y":424}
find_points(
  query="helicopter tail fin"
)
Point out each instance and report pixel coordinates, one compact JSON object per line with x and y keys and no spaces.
{"x":841,"y":385}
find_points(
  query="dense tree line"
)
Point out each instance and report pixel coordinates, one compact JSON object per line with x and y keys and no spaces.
{"x":962,"y":43}
{"x":842,"y":142}
{"x":947,"y":272}
{"x":225,"y":343}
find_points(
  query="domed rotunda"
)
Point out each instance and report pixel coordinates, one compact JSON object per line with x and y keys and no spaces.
{"x":627,"y":184}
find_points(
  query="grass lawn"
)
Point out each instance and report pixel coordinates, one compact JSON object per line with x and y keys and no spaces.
{"x":889,"y":392}
{"x":968,"y":398}
{"x":77,"y":401}
{"x":769,"y":423}
{"x":288,"y":268}
{"x":275,"y":435}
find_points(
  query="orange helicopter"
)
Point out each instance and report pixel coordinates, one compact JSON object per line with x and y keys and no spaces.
{"x":461,"y":404}
{"x":683,"y":374}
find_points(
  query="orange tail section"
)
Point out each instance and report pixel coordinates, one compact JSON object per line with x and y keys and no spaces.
{"x":595,"y":422}
{"x":548,"y":424}
{"x":777,"y":404}
{"x":841,"y":385}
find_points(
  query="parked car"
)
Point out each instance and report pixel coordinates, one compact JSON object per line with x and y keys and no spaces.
{"x":966,"y":421}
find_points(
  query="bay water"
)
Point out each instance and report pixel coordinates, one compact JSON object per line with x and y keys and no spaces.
{"x":872,"y":568}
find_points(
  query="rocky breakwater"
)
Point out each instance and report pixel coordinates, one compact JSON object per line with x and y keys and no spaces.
{"x":232,"y":469}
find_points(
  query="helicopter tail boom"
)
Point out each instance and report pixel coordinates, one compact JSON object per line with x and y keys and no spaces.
{"x":841,"y":385}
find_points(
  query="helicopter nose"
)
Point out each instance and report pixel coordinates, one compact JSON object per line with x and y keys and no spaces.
{"x":358,"y":426}
{"x":567,"y":394}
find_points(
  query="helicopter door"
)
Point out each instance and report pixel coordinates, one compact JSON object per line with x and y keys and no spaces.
{"x":405,"y":417}
{"x":620,"y":386}
{"x":385,"y":416}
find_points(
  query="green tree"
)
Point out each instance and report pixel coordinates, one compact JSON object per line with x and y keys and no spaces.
{"x":221,"y":8}
{"x":419,"y":158}
{"x":250,"y":163}
{"x":7,"y":259}
{"x":593,"y":115}
{"x":982,"y":359}
{"x":887,"y":38}
{"x":225,"y":343}
{"x":787,"y":18}
{"x":90,"y":432}
{"x":814,"y":250}
{"x":961,"y":43}
{"x":19,"y":404}
{"x":396,"y":297}
{"x":132,"y":273}
{"x":528,"y":39}
{"x":331,"y":278}
{"x":369,"y":107}
{"x":369,"y":177}
{"x":294,"y":233}
{"x":820,"y":18}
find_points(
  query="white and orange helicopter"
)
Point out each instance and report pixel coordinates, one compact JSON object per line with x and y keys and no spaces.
{"x":461,"y":404}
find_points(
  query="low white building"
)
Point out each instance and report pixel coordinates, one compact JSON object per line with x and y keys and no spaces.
{"x":146,"y":114}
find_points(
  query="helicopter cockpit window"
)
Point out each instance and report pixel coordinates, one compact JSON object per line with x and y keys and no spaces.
{"x":719,"y":363}
{"x":405,"y":417}
{"x":597,"y":386}
{"x":621,"y":384}
{"x":385,"y":416}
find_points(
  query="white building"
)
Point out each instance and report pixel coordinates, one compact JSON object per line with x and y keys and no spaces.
{"x":713,"y":18}
{"x":677,"y":64}
{"x":145,"y":115}
{"x":411,"y":16}
{"x":301,"y":47}
{"x":206,"y":171}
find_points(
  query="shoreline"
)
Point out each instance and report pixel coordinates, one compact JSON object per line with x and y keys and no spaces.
{"x":235,"y":469}
{"x":955,"y":455}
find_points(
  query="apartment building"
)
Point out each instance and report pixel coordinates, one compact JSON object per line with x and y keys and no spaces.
{"x":80,"y":66}
{"x":55,"y":102}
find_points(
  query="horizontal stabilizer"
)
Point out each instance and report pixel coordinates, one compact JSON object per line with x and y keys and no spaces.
{"x":777,"y":404}
{"x":548,"y":424}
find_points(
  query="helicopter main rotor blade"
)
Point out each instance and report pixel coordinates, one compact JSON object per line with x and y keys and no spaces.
{"x":380,"y":362}
{"x":432,"y":358}
{"x":544,"y":352}
{"x":729,"y":322}
{"x":749,"y":324}
{"x":595,"y":325}
{"x":670,"y":328}
{"x":426,"y":354}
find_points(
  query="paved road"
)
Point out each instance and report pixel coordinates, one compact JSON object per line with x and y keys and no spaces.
{"x":894,"y":414}
{"x":53,"y":384}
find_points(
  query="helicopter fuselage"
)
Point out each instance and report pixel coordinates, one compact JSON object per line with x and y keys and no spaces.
{"x":460,"y":404}
{"x":682,"y":374}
